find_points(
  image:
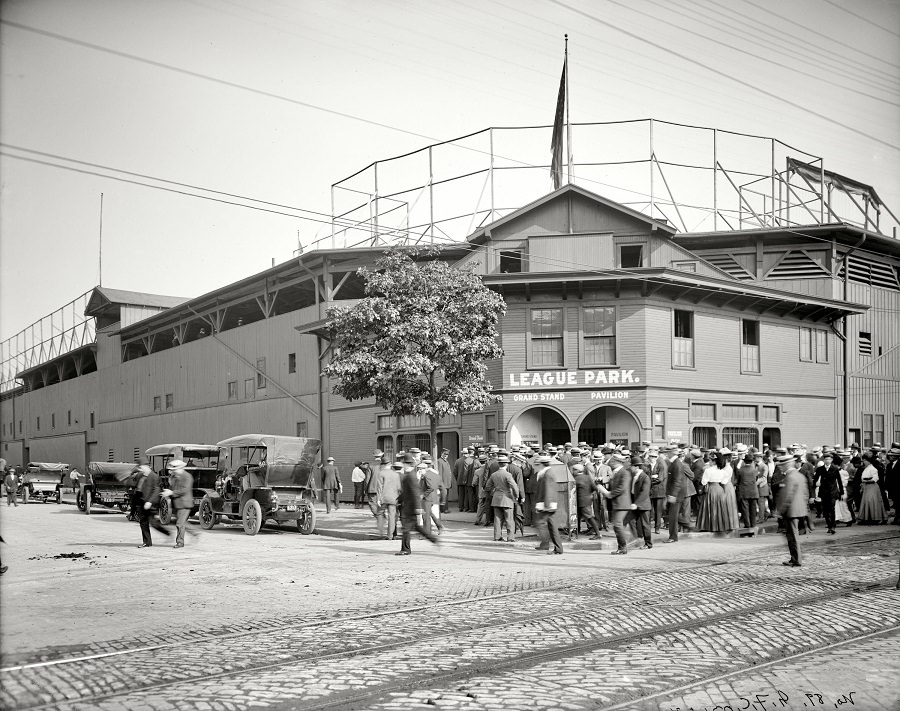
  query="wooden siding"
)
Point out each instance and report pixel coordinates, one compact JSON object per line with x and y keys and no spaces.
{"x":133,"y":314}
{"x":352,"y":440}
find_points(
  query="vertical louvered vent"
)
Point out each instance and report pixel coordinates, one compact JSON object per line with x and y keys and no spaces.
{"x":865,"y":271}
{"x":865,"y":343}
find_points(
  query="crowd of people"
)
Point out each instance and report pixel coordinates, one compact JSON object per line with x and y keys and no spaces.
{"x":673,"y":488}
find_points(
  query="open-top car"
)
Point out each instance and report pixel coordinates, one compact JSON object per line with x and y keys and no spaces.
{"x":202,"y":462}
{"x":106,"y":484}
{"x":44,"y":481}
{"x":263,"y":477}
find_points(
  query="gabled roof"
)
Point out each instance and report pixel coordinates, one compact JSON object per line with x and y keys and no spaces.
{"x":103,"y":298}
{"x":483,"y":233}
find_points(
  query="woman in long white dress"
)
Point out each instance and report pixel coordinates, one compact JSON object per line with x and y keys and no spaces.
{"x":713,"y":514}
{"x":842,"y":513}
{"x":871,"y":508}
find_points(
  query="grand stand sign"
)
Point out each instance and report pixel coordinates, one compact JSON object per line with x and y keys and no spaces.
{"x":571,"y":379}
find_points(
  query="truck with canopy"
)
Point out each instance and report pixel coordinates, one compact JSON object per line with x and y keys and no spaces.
{"x":106,"y":484}
{"x":202,"y":462}
{"x":263,"y":477}
{"x":44,"y":481}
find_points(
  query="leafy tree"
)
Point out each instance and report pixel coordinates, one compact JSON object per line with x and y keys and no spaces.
{"x":418,"y":340}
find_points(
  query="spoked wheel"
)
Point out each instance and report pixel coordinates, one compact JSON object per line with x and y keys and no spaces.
{"x":87,"y":502}
{"x":79,"y":501}
{"x":165,"y":511}
{"x":207,"y":516}
{"x":306,"y":524}
{"x":252,"y":517}
{"x":58,"y":496}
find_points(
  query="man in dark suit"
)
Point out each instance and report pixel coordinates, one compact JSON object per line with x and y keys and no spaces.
{"x":619,"y":493}
{"x":182,"y":495}
{"x":675,"y":489}
{"x":584,"y":497}
{"x":411,"y":505}
{"x":462,"y":472}
{"x":545,"y":506}
{"x":501,"y":490}
{"x":892,"y":479}
{"x":747,"y":491}
{"x":639,"y":516}
{"x":827,"y":477}
{"x":147,"y":487}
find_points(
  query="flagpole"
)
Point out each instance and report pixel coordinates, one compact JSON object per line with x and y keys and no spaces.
{"x":568,"y":125}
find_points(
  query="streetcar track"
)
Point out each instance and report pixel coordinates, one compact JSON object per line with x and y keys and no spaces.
{"x":567,"y":586}
{"x":556,"y":653}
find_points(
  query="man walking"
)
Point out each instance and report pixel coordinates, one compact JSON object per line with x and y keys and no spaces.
{"x":147,"y":492}
{"x":640,"y":503}
{"x":827,"y":477}
{"x":619,"y":494}
{"x":584,"y":495}
{"x":411,"y":505}
{"x":792,"y":506}
{"x":545,"y":506}
{"x":182,"y":497}
{"x":331,"y":484}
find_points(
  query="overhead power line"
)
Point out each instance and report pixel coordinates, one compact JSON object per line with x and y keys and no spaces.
{"x":707,"y":67}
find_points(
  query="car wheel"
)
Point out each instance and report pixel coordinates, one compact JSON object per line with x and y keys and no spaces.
{"x":306,"y":524}
{"x":87,"y":502}
{"x":252,"y":517}
{"x":207,"y":516}
{"x":58,"y":496}
{"x":165,"y":512}
{"x":79,"y":501}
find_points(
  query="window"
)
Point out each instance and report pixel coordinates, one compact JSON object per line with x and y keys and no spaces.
{"x":546,"y":338}
{"x":704,"y":437}
{"x":302,"y":429}
{"x":599,"y":330}
{"x":865,"y":343}
{"x":878,"y":433}
{"x":422,"y":440}
{"x":92,"y":420}
{"x":249,"y":389}
{"x":232,"y":390}
{"x":739,"y":412}
{"x":814,"y":345}
{"x":659,"y":424}
{"x":703,"y":411}
{"x":385,"y":422}
{"x":157,"y":403}
{"x":512,"y":261}
{"x":386,"y":445}
{"x":631,"y":256}
{"x":260,"y":373}
{"x":685,"y":266}
{"x":490,"y":427}
{"x":683,"y":343}
{"x":732,"y":436}
{"x":770,"y":413}
{"x":292,"y":362}
{"x":170,"y":401}
{"x":749,"y":346}
{"x":867,"y":440}
{"x":821,"y":346}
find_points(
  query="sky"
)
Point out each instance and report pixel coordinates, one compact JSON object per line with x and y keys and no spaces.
{"x":269,"y":102}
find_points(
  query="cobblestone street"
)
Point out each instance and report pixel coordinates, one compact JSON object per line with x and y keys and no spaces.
{"x":284,"y":621}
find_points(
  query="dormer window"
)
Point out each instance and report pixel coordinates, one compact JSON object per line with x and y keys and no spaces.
{"x":631,"y":256}
{"x":512,"y":261}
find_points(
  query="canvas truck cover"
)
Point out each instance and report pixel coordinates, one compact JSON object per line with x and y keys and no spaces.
{"x":48,"y":466}
{"x":182,"y":450}
{"x":289,"y":460}
{"x":110,"y":472}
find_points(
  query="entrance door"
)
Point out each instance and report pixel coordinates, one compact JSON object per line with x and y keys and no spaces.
{"x":772,"y":437}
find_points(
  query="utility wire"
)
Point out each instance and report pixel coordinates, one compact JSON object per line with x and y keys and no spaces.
{"x":748,"y":85}
{"x":734,"y":48}
{"x":860,"y":17}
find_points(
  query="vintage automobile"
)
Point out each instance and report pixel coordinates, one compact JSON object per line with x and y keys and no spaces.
{"x":202,"y":462}
{"x":43,"y":481}
{"x":263,"y":477}
{"x":106,"y":484}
